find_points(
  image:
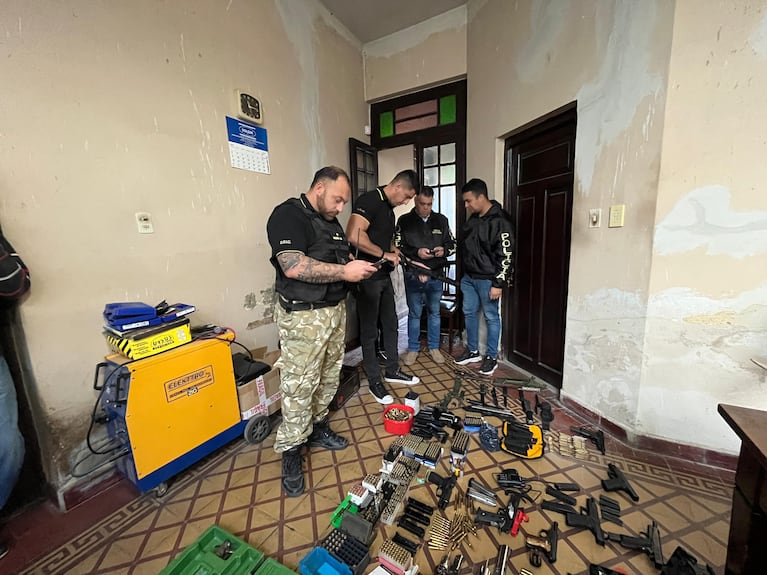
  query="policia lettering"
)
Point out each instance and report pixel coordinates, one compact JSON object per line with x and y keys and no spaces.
{"x":506,"y":260}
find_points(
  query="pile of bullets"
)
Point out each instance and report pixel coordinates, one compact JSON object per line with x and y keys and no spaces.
{"x":397,"y":414}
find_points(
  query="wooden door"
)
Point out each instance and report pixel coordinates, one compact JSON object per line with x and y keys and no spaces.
{"x":539,"y":190}
{"x":363,"y":168}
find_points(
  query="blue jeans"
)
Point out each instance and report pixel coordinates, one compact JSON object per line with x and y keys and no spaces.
{"x":419,"y":293}
{"x":11,"y":441}
{"x":476,"y":293}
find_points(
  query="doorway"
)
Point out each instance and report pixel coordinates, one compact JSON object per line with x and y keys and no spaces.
{"x":539,"y":167}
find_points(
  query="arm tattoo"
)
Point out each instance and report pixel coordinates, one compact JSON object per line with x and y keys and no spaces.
{"x":310,"y":270}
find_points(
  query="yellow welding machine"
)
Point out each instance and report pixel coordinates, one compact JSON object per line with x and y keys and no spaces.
{"x":172,"y":409}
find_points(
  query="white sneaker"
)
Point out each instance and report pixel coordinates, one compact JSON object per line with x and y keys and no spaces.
{"x":382,"y":396}
{"x":400,"y":376}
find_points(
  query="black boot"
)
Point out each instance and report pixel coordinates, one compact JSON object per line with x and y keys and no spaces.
{"x":323,"y":436}
{"x":292,"y":472}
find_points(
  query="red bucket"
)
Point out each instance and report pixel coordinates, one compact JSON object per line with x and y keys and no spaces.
{"x":398,"y":427}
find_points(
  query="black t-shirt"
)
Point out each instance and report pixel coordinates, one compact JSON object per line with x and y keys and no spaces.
{"x":286,"y":229}
{"x":295,"y":226}
{"x":375,"y":208}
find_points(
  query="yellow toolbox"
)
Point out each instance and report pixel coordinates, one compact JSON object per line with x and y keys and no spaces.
{"x":149,"y":341}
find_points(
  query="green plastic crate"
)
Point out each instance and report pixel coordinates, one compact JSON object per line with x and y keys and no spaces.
{"x":272,"y":567}
{"x":200,"y":557}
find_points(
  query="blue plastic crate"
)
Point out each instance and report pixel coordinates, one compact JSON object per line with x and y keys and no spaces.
{"x":320,"y":562}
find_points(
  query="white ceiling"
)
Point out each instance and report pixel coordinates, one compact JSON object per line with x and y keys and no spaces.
{"x":372,"y":19}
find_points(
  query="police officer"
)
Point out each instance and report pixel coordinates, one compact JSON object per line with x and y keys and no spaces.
{"x":371,"y":230}
{"x":486,"y":252}
{"x":424,"y":238}
{"x":311,"y":258}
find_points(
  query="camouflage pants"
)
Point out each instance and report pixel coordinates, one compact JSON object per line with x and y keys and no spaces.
{"x":312,"y":345}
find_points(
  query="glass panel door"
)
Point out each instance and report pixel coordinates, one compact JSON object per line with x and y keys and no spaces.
{"x":439,"y":170}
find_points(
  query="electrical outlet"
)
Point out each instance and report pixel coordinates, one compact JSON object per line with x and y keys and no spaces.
{"x":595,"y":218}
{"x":617,"y":214}
{"x":144,"y":223}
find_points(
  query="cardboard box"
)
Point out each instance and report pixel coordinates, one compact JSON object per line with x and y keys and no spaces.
{"x":261,"y":396}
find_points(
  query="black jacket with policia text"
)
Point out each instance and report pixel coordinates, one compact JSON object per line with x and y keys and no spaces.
{"x":487,"y":246}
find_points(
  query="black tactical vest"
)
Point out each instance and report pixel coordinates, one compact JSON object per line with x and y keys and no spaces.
{"x":327,"y":244}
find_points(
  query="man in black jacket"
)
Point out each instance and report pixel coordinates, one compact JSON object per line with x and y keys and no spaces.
{"x":424,"y":238}
{"x":486,"y":254}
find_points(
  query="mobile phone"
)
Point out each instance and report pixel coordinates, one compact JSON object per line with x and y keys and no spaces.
{"x":380,"y":262}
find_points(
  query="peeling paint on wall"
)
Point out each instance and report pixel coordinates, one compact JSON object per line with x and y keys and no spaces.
{"x":603,"y":355}
{"x":700,"y":350}
{"x":704,"y":218}
{"x":268,"y":299}
{"x":547,"y":20}
{"x":758,"y":38}
{"x":607,"y":105}
{"x":298,"y":20}
{"x":406,"y":39}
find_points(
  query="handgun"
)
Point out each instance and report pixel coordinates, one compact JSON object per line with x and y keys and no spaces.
{"x":650,"y":543}
{"x":546,"y":542}
{"x":596,"y":437}
{"x":618,"y":482}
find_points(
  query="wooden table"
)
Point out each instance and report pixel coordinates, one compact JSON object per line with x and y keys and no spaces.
{"x":747,"y":546}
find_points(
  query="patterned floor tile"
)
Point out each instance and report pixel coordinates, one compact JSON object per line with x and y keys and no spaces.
{"x":239,"y":489}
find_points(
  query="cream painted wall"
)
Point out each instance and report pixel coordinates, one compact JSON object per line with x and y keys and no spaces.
{"x":428,"y":53}
{"x":113,"y":108}
{"x":528,"y":58}
{"x":707,"y":313}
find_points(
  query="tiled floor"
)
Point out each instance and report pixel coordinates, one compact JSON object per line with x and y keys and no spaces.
{"x":238,"y":488}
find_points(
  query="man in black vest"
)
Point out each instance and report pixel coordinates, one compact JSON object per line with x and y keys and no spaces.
{"x":424,"y":238}
{"x":311,"y":258}
{"x":371,"y":230}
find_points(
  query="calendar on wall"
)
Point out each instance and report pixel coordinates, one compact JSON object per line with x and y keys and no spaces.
{"x":248,"y":146}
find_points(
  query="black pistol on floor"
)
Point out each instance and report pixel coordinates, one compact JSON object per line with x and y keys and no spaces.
{"x":444,"y":488}
{"x":588,"y":518}
{"x":618,"y":482}
{"x":596,"y":437}
{"x":650,"y":543}
{"x":545,"y":543}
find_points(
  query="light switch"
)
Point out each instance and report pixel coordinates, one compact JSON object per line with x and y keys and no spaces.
{"x":616,"y":216}
{"x":144,"y":223}
{"x":595,"y":218}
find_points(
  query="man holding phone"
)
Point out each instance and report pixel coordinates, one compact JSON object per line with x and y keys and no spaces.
{"x":371,"y":231}
{"x":311,"y":258}
{"x":425,"y":239}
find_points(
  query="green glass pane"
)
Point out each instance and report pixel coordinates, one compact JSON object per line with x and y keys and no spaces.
{"x":387,"y":124}
{"x":447,"y":110}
